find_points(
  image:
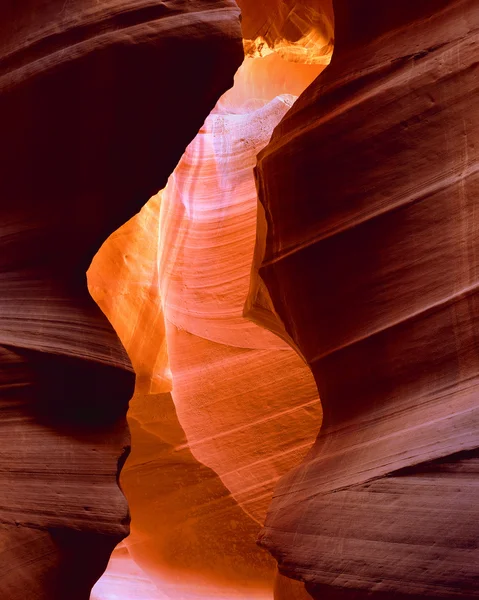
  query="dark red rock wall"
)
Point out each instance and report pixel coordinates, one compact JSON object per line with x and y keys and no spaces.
{"x":97,"y":103}
{"x":371,"y":192}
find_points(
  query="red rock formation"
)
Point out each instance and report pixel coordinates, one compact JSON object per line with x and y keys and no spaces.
{"x":365,"y":263}
{"x":370,"y":191}
{"x":95,"y":111}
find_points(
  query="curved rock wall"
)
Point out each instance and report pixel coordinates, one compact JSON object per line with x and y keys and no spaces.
{"x":187,"y":532}
{"x":234,"y":383}
{"x":95,"y":111}
{"x":370,"y":191}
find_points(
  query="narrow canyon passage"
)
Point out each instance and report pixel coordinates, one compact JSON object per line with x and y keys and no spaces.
{"x":239,"y":300}
{"x":222,"y":406}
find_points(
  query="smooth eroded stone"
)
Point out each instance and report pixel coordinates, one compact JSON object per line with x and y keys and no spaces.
{"x":370,"y":189}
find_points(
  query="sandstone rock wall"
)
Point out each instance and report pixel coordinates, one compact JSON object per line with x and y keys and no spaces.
{"x":370,"y":192}
{"x":95,"y":111}
{"x":222,"y":407}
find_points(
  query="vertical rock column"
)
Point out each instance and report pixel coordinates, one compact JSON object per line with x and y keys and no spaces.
{"x":97,"y":103}
{"x":371,"y":193}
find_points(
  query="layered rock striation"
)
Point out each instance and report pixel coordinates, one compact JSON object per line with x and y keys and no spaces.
{"x":95,"y":111}
{"x":370,"y":191}
{"x":365,"y":268}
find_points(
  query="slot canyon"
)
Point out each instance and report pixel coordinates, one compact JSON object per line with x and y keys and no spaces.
{"x":239,"y":300}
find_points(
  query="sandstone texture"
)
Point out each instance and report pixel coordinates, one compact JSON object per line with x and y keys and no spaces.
{"x":95,"y":111}
{"x":370,"y":191}
{"x":211,"y":384}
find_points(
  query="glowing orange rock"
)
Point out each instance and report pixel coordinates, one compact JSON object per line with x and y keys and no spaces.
{"x":298,"y":30}
{"x":246,"y":401}
{"x":187,"y":532}
{"x":223,"y":407}
{"x":125,"y":579}
{"x":123,"y":280}
{"x":289,"y":589}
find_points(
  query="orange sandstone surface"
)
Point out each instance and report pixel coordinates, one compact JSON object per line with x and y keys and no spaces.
{"x":223,"y":407}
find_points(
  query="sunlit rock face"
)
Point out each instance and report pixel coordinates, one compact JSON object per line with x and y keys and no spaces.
{"x":298,"y":30}
{"x":370,"y":192}
{"x":223,"y":407}
{"x":234,"y":383}
{"x":187,"y":533}
{"x":89,"y":92}
{"x":125,"y":579}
